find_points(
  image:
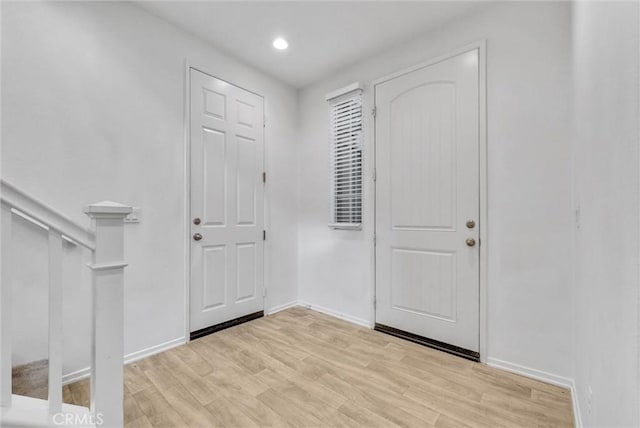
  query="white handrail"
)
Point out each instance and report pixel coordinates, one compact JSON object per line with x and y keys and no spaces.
{"x":52,"y":219}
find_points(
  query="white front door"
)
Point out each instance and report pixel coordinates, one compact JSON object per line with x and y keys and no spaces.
{"x":427,"y":196}
{"x":227,"y":216}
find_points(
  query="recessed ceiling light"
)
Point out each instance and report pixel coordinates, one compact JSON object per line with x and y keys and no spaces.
{"x":280,"y":44}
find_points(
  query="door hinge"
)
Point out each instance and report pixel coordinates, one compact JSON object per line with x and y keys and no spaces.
{"x":373,"y":112}
{"x":264,"y":235}
{"x":264,"y":177}
{"x":375,"y":239}
{"x":264,"y":122}
{"x":375,"y":303}
{"x":374,"y":175}
{"x":264,"y":292}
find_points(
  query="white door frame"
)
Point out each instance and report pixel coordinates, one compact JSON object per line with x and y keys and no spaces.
{"x":481,"y":45}
{"x":187,"y":189}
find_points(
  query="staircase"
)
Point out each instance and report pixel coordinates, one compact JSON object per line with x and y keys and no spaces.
{"x":105,"y":239}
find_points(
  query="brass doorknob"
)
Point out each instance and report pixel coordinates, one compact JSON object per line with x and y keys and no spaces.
{"x":197,"y":237}
{"x":471,"y":224}
{"x":196,"y":221}
{"x":471,"y":242}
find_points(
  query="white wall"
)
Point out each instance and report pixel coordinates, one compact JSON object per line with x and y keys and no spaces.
{"x":607,"y":196}
{"x":529,"y":195}
{"x":91,"y":88}
{"x":93,"y":109}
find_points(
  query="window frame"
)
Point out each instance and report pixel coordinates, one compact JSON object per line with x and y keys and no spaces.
{"x":351,"y":100}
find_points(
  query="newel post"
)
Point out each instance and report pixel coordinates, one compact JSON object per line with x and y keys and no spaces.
{"x":107,"y":347}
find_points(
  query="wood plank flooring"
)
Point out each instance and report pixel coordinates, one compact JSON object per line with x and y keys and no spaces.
{"x":300,"y":368}
{"x":31,"y":380}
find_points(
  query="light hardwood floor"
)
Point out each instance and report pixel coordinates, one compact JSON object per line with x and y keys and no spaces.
{"x":300,"y":368}
{"x":31,"y":379}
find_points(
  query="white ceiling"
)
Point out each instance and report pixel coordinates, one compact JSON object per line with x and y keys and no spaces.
{"x":323,"y":36}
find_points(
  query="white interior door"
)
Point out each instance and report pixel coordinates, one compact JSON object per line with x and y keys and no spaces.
{"x":427,"y":195}
{"x":227,"y":215}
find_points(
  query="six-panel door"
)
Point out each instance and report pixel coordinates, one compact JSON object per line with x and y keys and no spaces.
{"x":227,"y":151}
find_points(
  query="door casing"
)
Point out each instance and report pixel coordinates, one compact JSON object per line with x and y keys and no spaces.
{"x":187,"y":190}
{"x":483,"y":182}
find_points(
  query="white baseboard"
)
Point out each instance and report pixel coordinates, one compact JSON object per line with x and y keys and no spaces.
{"x":129,"y":358}
{"x":536,"y":374}
{"x":76,"y":376}
{"x":152,"y":350}
{"x":281,"y":308}
{"x":542,"y":376}
{"x":345,"y":317}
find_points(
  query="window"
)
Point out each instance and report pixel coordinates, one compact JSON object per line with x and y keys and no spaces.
{"x":346,"y":141}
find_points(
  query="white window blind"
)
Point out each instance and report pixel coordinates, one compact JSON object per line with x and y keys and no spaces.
{"x":346,"y":140}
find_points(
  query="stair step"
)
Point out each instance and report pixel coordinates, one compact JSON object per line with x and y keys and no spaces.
{"x":33,"y":412}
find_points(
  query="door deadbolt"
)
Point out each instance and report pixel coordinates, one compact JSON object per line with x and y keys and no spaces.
{"x":471,"y":242}
{"x":197,"y":237}
{"x":471,"y":224}
{"x":196,"y":221}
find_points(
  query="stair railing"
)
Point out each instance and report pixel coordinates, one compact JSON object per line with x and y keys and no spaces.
{"x":105,"y":239}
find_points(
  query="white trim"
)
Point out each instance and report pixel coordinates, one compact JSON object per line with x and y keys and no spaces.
{"x":187,"y":186}
{"x":187,"y":197}
{"x":471,"y":46}
{"x":76,"y":376}
{"x":29,"y":218}
{"x":129,"y":358}
{"x":542,"y":376}
{"x":152,"y":350}
{"x":280,"y":308}
{"x":45,"y":216}
{"x":346,"y":226}
{"x":266,"y":217}
{"x":336,"y":314}
{"x":483,"y":221}
{"x":638,"y":284}
{"x":204,"y":70}
{"x":369,"y":193}
{"x":577,"y":416}
{"x":356,"y":86}
{"x":107,"y":265}
{"x":529,"y":372}
{"x":34,"y":412}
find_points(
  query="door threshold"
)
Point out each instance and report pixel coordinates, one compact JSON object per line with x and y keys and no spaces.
{"x":430,"y":343}
{"x":224,"y":325}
